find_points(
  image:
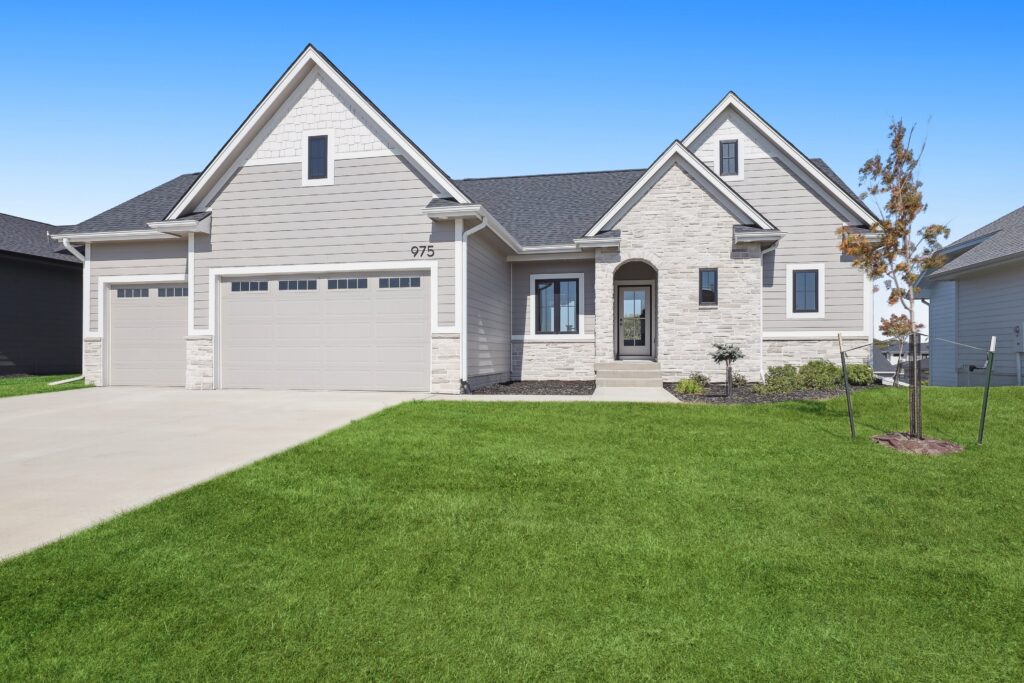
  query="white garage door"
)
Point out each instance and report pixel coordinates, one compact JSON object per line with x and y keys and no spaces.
{"x":146,"y":335}
{"x":359,"y":331}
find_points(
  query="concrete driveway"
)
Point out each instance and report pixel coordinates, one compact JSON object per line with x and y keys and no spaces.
{"x":71,"y":459}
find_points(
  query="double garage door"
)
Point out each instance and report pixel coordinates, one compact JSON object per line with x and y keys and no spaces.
{"x":344,"y":331}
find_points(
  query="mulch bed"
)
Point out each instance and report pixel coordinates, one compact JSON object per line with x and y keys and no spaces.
{"x":715,"y":393}
{"x":902,"y":441}
{"x":538,"y":388}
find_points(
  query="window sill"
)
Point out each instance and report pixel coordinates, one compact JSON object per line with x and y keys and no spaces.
{"x":552,"y":338}
{"x":707,"y":307}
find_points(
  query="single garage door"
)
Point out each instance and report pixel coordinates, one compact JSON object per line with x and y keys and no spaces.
{"x":355,"y":331}
{"x":146,"y":332}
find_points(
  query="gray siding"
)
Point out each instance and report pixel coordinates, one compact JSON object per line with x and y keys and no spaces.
{"x":990,"y":302}
{"x":372,"y":212}
{"x":144,"y":258}
{"x":488,"y":323}
{"x":942,"y":325}
{"x":521,"y":272}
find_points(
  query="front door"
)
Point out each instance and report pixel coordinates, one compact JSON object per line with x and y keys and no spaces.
{"x":634,"y":320}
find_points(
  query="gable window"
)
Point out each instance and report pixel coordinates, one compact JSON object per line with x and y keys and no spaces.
{"x":805,"y":291}
{"x":316,"y":166}
{"x":556,"y":304}
{"x":708,"y":286}
{"x":729,"y":157}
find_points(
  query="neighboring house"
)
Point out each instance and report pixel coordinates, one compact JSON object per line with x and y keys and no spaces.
{"x":978,"y":294}
{"x":322,"y":249}
{"x":890,"y":355}
{"x":40,"y":301}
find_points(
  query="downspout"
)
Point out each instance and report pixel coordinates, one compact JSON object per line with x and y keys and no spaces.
{"x":463,"y":336}
{"x":85,"y":283}
{"x":77,"y":254}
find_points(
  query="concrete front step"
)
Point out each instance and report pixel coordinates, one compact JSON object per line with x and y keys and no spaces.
{"x":628,"y":374}
{"x":629,"y":381}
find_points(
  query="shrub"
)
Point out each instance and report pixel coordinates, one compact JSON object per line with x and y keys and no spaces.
{"x":689,"y":386}
{"x":701,"y":379}
{"x":860,"y":374}
{"x":821,"y":374}
{"x":739,"y":380}
{"x":780,"y":379}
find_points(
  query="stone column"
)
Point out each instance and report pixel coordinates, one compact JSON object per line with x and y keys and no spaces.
{"x":92,"y":360}
{"x":445,"y":368}
{"x":199,"y":362}
{"x":605,"y":263}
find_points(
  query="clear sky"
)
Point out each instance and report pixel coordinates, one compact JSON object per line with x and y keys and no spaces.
{"x":99,"y":104}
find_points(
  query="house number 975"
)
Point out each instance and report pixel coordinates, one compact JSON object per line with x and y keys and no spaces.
{"x":422,"y":250}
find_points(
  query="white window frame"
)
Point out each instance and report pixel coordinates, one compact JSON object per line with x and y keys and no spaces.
{"x":820,"y":313}
{"x":531,"y":320}
{"x":329,"y":180}
{"x":739,"y":156}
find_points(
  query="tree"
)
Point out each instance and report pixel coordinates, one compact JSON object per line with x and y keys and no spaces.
{"x":893,"y":250}
{"x":726,"y":353}
{"x":897,"y":330}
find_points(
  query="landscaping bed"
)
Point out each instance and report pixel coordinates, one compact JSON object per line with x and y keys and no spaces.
{"x":715,"y":393}
{"x":540,"y":388}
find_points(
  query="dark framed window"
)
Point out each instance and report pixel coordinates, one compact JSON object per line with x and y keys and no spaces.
{"x":398,"y":282}
{"x":708,"y":286}
{"x":805,"y":291}
{"x":132,"y":292}
{"x":172,"y":291}
{"x":347,"y":283}
{"x":294,"y":285}
{"x":556,"y":304}
{"x":316,"y":167}
{"x":260,"y":286}
{"x":729,"y":157}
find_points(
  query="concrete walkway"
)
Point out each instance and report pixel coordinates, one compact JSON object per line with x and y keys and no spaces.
{"x":607,"y":394}
{"x":74,"y":458}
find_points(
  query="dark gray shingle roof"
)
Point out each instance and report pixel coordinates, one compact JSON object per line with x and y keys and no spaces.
{"x":550,"y":209}
{"x":22,"y":236}
{"x":834,"y":177}
{"x":1004,"y":239}
{"x":152,"y":205}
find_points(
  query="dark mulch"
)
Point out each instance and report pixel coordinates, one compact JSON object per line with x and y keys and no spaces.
{"x":745,"y":394}
{"x":902,"y":441}
{"x":537,"y":388}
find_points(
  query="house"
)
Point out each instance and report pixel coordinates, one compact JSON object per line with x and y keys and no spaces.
{"x":40,"y":301}
{"x":322,"y":249}
{"x":977,"y":294}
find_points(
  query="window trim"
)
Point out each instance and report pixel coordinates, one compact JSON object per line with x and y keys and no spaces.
{"x":532,"y":311}
{"x":721,"y":158}
{"x":791,"y":270}
{"x":314,"y":182}
{"x":700,"y":287}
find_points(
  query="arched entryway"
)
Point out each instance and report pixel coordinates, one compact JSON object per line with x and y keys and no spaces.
{"x":636,"y":319}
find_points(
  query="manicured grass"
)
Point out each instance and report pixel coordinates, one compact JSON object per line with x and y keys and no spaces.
{"x":35,"y":384}
{"x":568,"y":541}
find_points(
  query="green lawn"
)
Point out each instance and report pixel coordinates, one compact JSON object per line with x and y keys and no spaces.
{"x":561,"y":540}
{"x":35,"y":384}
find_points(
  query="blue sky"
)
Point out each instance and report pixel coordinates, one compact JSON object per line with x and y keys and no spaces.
{"x":99,"y":104}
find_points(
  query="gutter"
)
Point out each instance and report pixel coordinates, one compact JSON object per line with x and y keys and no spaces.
{"x":67,"y":245}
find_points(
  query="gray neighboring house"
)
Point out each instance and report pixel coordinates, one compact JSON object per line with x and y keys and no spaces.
{"x":978,"y":294}
{"x":40,"y":301}
{"x":322,"y":249}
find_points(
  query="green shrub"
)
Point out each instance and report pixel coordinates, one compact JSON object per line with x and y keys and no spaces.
{"x":701,"y":379}
{"x":739,"y":380}
{"x":689,"y":386}
{"x":860,"y":374}
{"x":821,"y":374}
{"x":780,"y":379}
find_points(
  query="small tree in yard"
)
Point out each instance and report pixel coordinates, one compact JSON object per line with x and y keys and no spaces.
{"x":727,"y":353}
{"x":897,"y":329}
{"x":894,"y":250}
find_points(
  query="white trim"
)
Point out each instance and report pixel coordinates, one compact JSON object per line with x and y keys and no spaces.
{"x":571,"y":256}
{"x":104,"y":282}
{"x":317,"y":182}
{"x":740,"y":144}
{"x":338,"y":156}
{"x":309,"y":59}
{"x":114,"y":236}
{"x":430,"y":265}
{"x":869,"y":307}
{"x":531,"y":317}
{"x":462,"y":291}
{"x":86,"y":298}
{"x":652,"y":318}
{"x":804,"y":335}
{"x":553,"y":338}
{"x":820,"y":313}
{"x":460,"y":268}
{"x":765,"y":129}
{"x":676,"y":151}
{"x":182,"y":227}
{"x":190,"y":270}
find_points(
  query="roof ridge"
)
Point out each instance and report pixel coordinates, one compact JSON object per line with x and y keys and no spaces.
{"x":550,"y":175}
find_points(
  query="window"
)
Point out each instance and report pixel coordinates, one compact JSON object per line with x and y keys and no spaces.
{"x":729,"y":157}
{"x":805,"y":291}
{"x":316,"y":167}
{"x":398,"y":282}
{"x":172,"y":291}
{"x":348,"y":283}
{"x":293,"y":285}
{"x":249,"y":286}
{"x":557,"y":306}
{"x":132,"y":292}
{"x":708,"y":286}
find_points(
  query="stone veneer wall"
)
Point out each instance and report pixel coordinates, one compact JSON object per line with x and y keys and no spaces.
{"x":92,"y":361}
{"x":445,"y":369}
{"x":548,"y":360}
{"x":799,"y":351}
{"x":199,"y":362}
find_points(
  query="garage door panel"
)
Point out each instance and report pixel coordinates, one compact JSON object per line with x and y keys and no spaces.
{"x":146,"y":337}
{"x":367,"y":338}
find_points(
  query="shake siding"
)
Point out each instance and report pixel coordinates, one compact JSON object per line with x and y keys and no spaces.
{"x":488,"y":324}
{"x":146,"y":258}
{"x":522,"y":324}
{"x":942,"y":325}
{"x":808,"y":220}
{"x":372,"y":212}
{"x":990,"y":302}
